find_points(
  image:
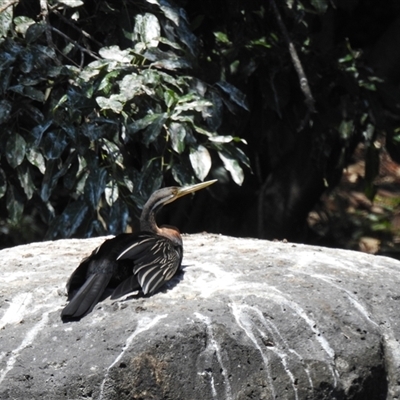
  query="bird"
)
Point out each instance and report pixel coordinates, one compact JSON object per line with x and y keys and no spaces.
{"x":129,"y":262}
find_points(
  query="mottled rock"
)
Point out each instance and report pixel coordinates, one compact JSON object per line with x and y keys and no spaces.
{"x":246,"y":319}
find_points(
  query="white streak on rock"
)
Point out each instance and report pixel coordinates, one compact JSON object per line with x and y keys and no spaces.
{"x":244,"y":311}
{"x":353,"y":299}
{"x":246,"y":324}
{"x":16,"y":310}
{"x":143,"y":325}
{"x":214,"y":344}
{"x":274,"y":331}
{"x":28,"y":340}
{"x":310,"y":322}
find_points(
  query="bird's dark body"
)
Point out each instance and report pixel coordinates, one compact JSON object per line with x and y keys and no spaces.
{"x":130,"y":262}
{"x":148,"y":262}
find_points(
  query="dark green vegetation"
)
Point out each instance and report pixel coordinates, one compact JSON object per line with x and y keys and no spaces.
{"x":103,"y":102}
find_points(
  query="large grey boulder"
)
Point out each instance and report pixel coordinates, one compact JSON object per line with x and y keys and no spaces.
{"x":247,"y":319}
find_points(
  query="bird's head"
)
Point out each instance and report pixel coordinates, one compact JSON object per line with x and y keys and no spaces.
{"x":165,"y":196}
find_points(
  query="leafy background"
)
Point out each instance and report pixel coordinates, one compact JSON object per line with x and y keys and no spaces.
{"x":103,"y":102}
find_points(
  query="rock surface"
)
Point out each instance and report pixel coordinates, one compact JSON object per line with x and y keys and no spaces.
{"x":247,"y":319}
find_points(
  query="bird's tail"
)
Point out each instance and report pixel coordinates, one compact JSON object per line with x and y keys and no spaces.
{"x":87,"y":297}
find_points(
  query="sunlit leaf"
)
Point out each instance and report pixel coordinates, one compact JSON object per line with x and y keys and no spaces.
{"x":197,"y":105}
{"x":6,"y":17}
{"x":115,"y":53}
{"x":131,"y":85}
{"x":233,"y":167}
{"x":22,"y":24}
{"x":111,"y":192}
{"x":221,"y":139}
{"x":147,"y":29}
{"x":177,"y":134}
{"x":115,"y":102}
{"x":71,"y":3}
{"x":201,"y":161}
{"x":5,"y":110}
{"x":3,"y":183}
{"x":15,"y":149}
{"x":94,"y":186}
{"x":151,"y":121}
{"x":48,"y":181}
{"x":25,"y":180}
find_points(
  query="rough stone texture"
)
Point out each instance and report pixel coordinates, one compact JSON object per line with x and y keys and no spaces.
{"x":247,"y":319}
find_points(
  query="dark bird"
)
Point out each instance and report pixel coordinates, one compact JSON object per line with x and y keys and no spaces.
{"x":129,"y":262}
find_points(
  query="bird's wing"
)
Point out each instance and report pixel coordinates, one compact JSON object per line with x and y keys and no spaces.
{"x":156,"y":261}
{"x":87,"y":296}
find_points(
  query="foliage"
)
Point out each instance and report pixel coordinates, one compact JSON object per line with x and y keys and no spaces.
{"x":90,"y":131}
{"x":103,"y":102}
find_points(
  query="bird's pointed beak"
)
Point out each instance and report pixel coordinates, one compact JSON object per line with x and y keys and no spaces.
{"x":183,"y":191}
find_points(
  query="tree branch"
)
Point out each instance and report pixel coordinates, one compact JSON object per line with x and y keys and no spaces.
{"x":82,"y":49}
{"x":305,"y":87}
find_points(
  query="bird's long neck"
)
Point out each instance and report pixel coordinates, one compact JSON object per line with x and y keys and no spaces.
{"x":148,"y":220}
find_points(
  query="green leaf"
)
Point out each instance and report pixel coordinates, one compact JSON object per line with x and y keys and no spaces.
{"x":320,"y":5}
{"x":5,"y":19}
{"x":111,"y":192}
{"x":94,"y":186}
{"x":150,"y":179}
{"x":182,"y":174}
{"x":53,"y":144}
{"x":22,"y":24}
{"x":69,"y":221}
{"x":38,"y":130}
{"x":36,"y":158}
{"x":115,"y":103}
{"x":71,"y":3}
{"x":5,"y":110}
{"x":170,"y":98}
{"x":34,"y":94}
{"x":177,"y":134}
{"x":152,"y":131}
{"x":201,"y":161}
{"x":113,"y":151}
{"x":48,"y":181}
{"x":34,"y":31}
{"x":131,"y":85}
{"x":15,"y":204}
{"x":221,"y":139}
{"x":346,"y":129}
{"x":25,"y":180}
{"x":15,"y":149}
{"x":197,"y":105}
{"x":233,"y":167}
{"x":116,"y":54}
{"x":222,"y":37}
{"x":235,"y":95}
{"x":118,"y":218}
{"x":147,"y":30}
{"x":3,"y":183}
